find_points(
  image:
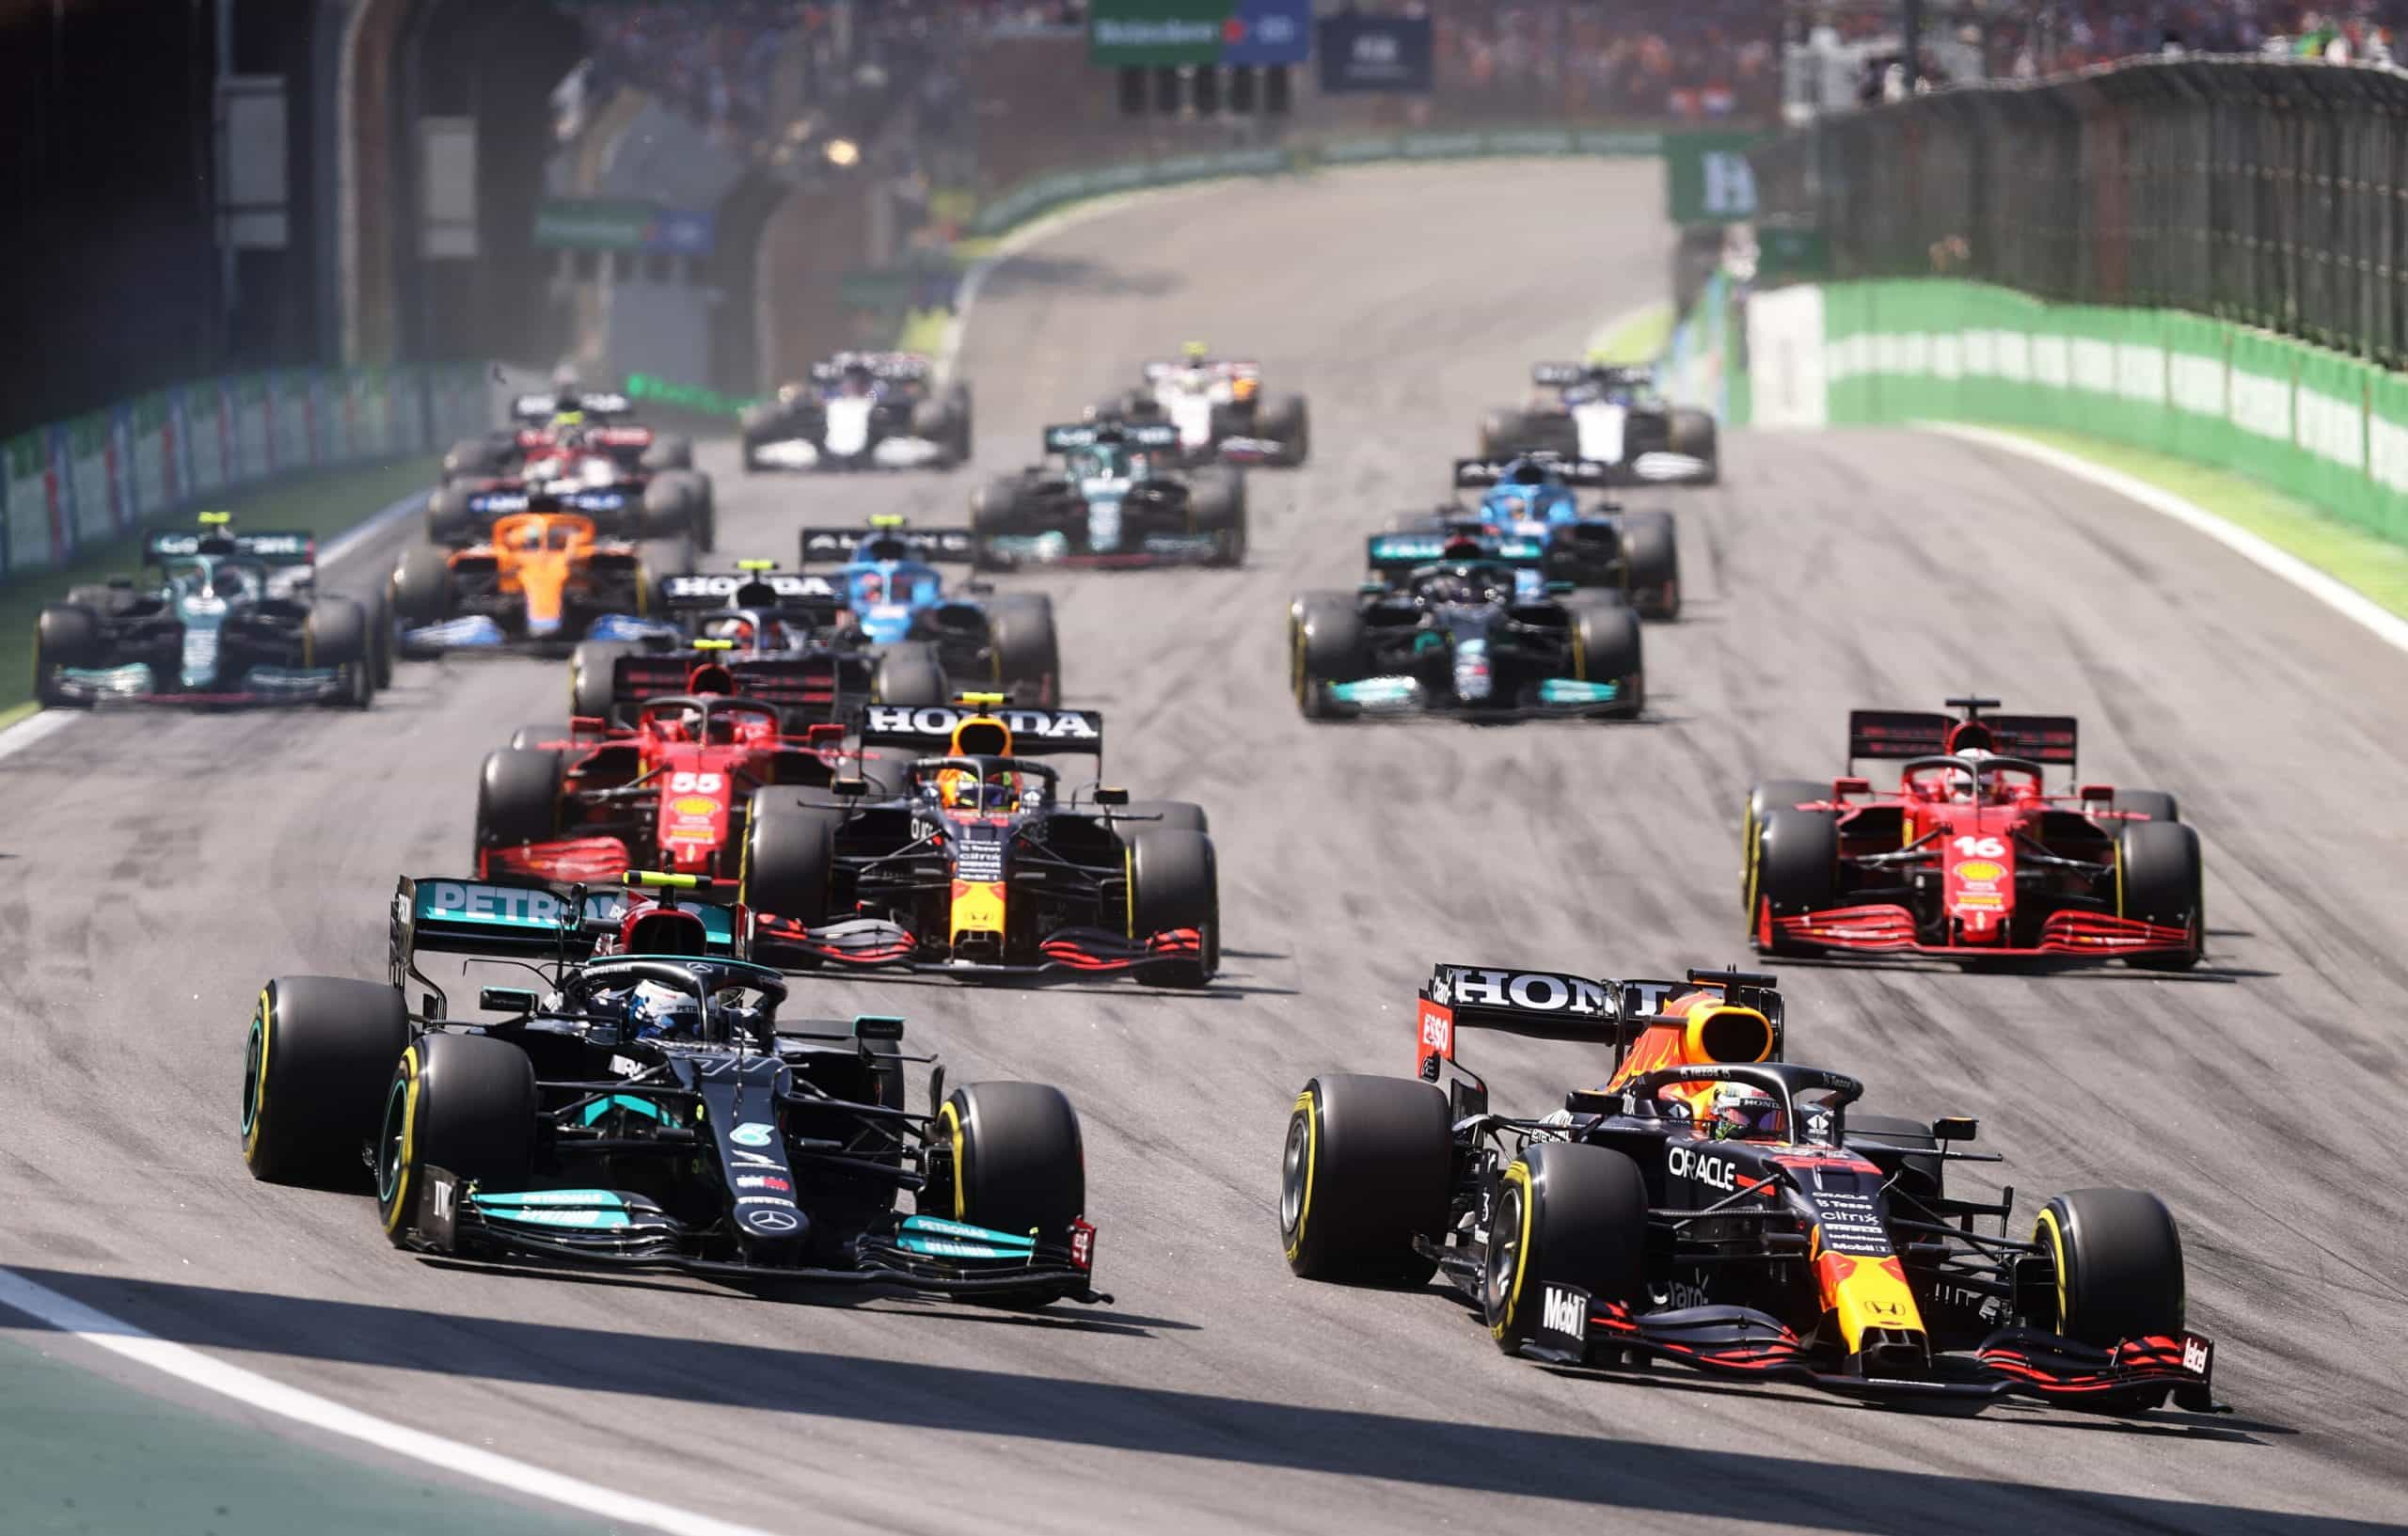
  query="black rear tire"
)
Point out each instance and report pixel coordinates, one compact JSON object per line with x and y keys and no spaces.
{"x":592,"y":667}
{"x":322,"y":1053}
{"x":908,"y":674}
{"x":464,"y":1103}
{"x":1653,"y":548}
{"x":519,"y":797}
{"x":790,"y":859}
{"x":1174,"y":884}
{"x":673,"y":504}
{"x":2119,"y":1265}
{"x":1567,"y":1213}
{"x":64,"y":636}
{"x":1499,"y":431}
{"x":1018,"y":1164}
{"x":2160,"y":880}
{"x":1028,"y":658}
{"x":1795,"y":865}
{"x":1610,"y":649}
{"x":1218,"y":508}
{"x":422,"y":586}
{"x":1367,"y":1168}
{"x":1288,"y":422}
{"x":337,"y":636}
{"x":450,"y":522}
{"x":669,"y":452}
{"x":1325,"y":645}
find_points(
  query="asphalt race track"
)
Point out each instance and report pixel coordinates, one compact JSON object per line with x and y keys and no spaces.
{"x":161,"y":867}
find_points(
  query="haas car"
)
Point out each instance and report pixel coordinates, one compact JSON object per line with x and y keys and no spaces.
{"x":1115,"y":499}
{"x":673,"y":787}
{"x":1611,"y":415}
{"x":650,"y":1107}
{"x":1716,"y":1207}
{"x":633,"y":483}
{"x":1536,"y":496}
{"x":1463,"y":623}
{"x":538,"y":581}
{"x":1216,"y":408}
{"x":861,"y":410}
{"x":213,"y":617}
{"x":932,"y":642}
{"x":975,"y":861}
{"x":1970,"y":857}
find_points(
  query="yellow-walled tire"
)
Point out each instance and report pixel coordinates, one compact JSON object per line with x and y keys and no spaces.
{"x":1569,"y":1215}
{"x":1367,"y":1168}
{"x":464,"y":1103}
{"x":314,"y":1069}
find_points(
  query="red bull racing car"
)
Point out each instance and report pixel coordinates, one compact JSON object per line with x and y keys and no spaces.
{"x":1714,"y":1205}
{"x":1970,"y":857}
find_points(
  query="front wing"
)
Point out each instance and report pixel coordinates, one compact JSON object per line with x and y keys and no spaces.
{"x":875,"y":943}
{"x":1888,"y":928}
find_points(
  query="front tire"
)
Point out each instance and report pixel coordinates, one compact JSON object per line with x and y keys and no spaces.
{"x":1017,"y":1164}
{"x":1567,"y":1213}
{"x":908,"y":674}
{"x":518,"y":797}
{"x":1607,"y":648}
{"x":1028,"y":658}
{"x":1326,"y":644}
{"x":1653,"y":552}
{"x":1367,"y":1168}
{"x":1174,"y":883}
{"x":2160,"y":880}
{"x":790,"y":859}
{"x":2118,"y":1259}
{"x":322,"y":1051}
{"x":1795,"y":863}
{"x":464,"y":1103}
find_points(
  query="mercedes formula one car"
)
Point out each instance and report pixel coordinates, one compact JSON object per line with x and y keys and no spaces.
{"x":213,"y":617}
{"x":632,"y":482}
{"x":930,"y":641}
{"x":1464,"y":623}
{"x":1970,"y":857}
{"x":1113,"y":499}
{"x":648,"y":1108}
{"x":1535,"y":496}
{"x":1609,"y":414}
{"x":537,"y":583}
{"x":861,"y":410}
{"x":972,"y":861}
{"x":1716,"y":1206}
{"x":1216,"y":408}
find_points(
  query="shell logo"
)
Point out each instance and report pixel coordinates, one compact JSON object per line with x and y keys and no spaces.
{"x":693,"y":805}
{"x":1979,"y":870}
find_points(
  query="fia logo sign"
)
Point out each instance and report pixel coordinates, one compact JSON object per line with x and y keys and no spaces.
{"x":1564,"y":1311}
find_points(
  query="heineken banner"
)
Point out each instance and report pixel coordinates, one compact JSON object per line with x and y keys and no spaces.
{"x":1207,"y":32}
{"x":101,"y":477}
{"x":2314,"y":423}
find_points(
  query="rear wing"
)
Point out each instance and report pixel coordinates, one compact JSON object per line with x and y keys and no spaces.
{"x":1471,"y":473}
{"x":277,"y":549}
{"x":1162,"y":368}
{"x":1563,"y":375}
{"x":1072,"y":437}
{"x":935,"y":546}
{"x":1559,"y":1005}
{"x":777,"y":590}
{"x":1389,"y":553}
{"x":593,"y":403}
{"x":807,"y":689}
{"x":600,"y":501}
{"x":1890,"y":735}
{"x":1034,"y":731}
{"x":894,"y":367}
{"x":512,"y":919}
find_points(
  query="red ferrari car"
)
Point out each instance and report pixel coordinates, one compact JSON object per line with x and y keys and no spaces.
{"x":1970,"y":857}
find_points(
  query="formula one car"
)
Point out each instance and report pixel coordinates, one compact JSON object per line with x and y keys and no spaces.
{"x":972,"y":862}
{"x":1715,"y":1206}
{"x":1216,"y":408}
{"x":1534,"y":496}
{"x":946,"y":640}
{"x":1113,"y":500}
{"x":1970,"y":858}
{"x":1466,"y":625}
{"x":213,"y":617}
{"x":1610,"y":414}
{"x":648,"y":1109}
{"x":861,"y":410}
{"x":634,"y":483}
{"x":536,"y":583}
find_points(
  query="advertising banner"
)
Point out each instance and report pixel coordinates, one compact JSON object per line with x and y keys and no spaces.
{"x":1123,"y":32}
{"x":1707,"y":179}
{"x":1376,"y":54}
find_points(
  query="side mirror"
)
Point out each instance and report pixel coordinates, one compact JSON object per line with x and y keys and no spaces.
{"x":1110,"y":795}
{"x":1956,"y":1128}
{"x":1842,"y":788}
{"x":878,"y":1026}
{"x":517,"y":1000}
{"x":849,"y":788}
{"x":1372,"y":588}
{"x":429,"y":1006}
{"x":2096,"y":794}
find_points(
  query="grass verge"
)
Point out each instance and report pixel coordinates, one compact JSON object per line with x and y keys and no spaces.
{"x":2374,"y":565}
{"x":1638,"y":336}
{"x":323,"y":505}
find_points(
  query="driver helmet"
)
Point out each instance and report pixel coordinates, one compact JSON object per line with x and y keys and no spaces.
{"x":1743,"y":1111}
{"x":656,"y":1011}
{"x":1449,"y":587}
{"x":226,"y":582}
{"x":737,"y":629}
{"x":858,"y":379}
{"x":873,"y":586}
{"x":1965,"y":791}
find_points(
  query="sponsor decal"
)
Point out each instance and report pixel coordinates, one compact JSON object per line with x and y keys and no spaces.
{"x":1851,"y":1224}
{"x":1530,"y":991}
{"x":1082,"y":1244}
{"x":980,"y":862}
{"x":1978,"y":871}
{"x":942,"y":720}
{"x":771,"y":1221}
{"x":1982,"y":901}
{"x":2197,"y":1354}
{"x":694,"y":805}
{"x":741,"y":1159}
{"x":1563,"y":1310}
{"x":1687,"y":1294}
{"x":1703,"y":1168}
{"x":445,"y":1196}
{"x":1438,"y":1030}
{"x":765,"y":1200}
{"x":753,"y":1134}
{"x":765,"y":1181}
{"x":621,"y":1066}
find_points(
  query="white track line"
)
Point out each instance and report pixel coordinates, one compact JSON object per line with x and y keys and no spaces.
{"x":2334,"y":593}
{"x":99,"y":1329}
{"x":46,"y":723}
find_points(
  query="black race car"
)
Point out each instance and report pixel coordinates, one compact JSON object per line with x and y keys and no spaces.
{"x":861,"y":410}
{"x":1714,"y":1205}
{"x":213,"y":617}
{"x":1463,"y":621}
{"x":972,"y":861}
{"x":649,"y":1109}
{"x":1610,"y":414}
{"x":1113,"y":499}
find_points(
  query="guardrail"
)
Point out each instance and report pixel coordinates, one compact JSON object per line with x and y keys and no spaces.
{"x":105,"y":475}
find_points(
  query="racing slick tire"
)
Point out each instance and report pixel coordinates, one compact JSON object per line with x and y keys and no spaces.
{"x":2159,"y":880}
{"x":1217,"y":506}
{"x":1326,"y":644}
{"x":669,"y":453}
{"x":1367,"y":1168}
{"x":322,"y":1052}
{"x":449,"y":521}
{"x":66,"y":635}
{"x":100,"y":597}
{"x":335,"y":635}
{"x":957,"y":406}
{"x":1607,"y":648}
{"x":1017,"y":1163}
{"x":1693,"y":433}
{"x":910,"y":674}
{"x":672,"y":505}
{"x":519,"y":797}
{"x":1289,"y":424}
{"x":789,"y":859}
{"x":380,"y":636}
{"x":1922,"y":1171}
{"x":464,"y":1103}
{"x":2156,"y":804}
{"x":1178,"y":815}
{"x":473,"y":458}
{"x":1653,"y":552}
{"x":591,"y":669}
{"x":1793,"y":867}
{"x":658,"y":559}
{"x":1174,"y":882}
{"x":2118,"y":1258}
{"x":1567,"y":1213}
{"x":1499,"y":431}
{"x":1028,"y":658}
{"x":421,"y":589}
{"x":991,"y":507}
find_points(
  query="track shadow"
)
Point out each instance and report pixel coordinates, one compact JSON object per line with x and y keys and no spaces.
{"x":1027,"y":274}
{"x":1603,"y":1471}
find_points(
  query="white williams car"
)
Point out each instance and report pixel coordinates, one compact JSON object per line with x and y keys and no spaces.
{"x":861,"y":410}
{"x":1607,"y":414}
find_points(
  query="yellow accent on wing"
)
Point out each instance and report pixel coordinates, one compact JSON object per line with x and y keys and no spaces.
{"x":978,"y":907}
